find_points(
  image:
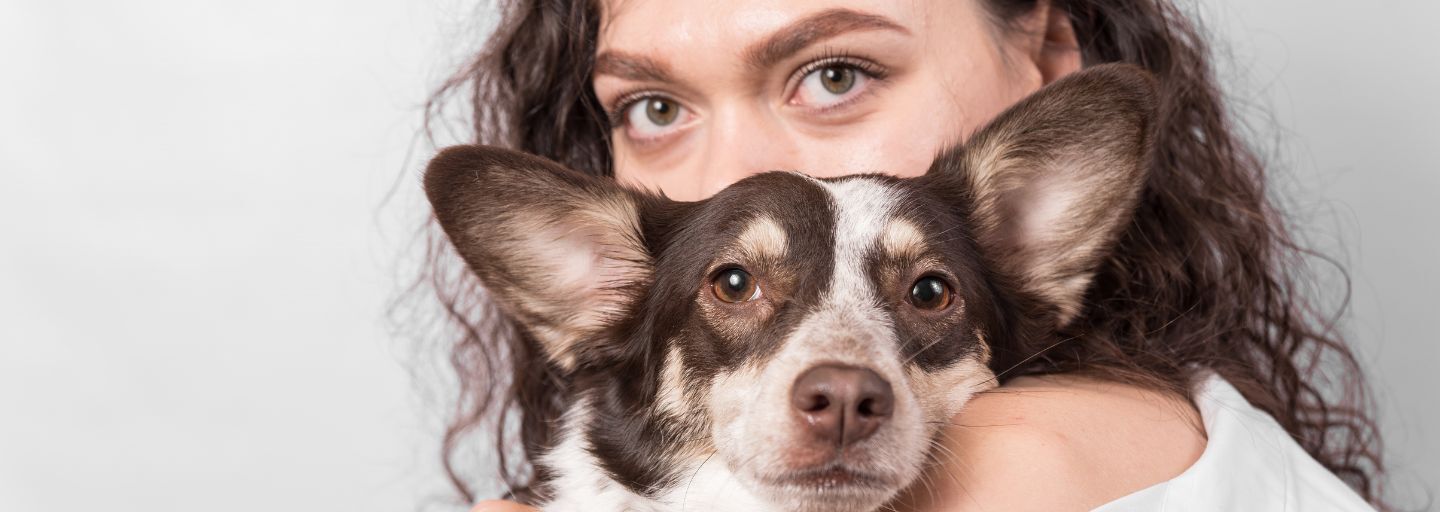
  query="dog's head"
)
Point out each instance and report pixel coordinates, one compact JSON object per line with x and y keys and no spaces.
{"x":811,"y":335}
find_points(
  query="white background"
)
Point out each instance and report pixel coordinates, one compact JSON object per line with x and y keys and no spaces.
{"x":197,"y":250}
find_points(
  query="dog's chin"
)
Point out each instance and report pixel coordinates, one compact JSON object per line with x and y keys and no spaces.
{"x":834,"y":487}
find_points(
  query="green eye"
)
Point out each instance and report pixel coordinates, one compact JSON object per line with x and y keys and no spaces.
{"x":735,"y":285}
{"x":661,"y":111}
{"x":930,"y":293}
{"x":837,"y":79}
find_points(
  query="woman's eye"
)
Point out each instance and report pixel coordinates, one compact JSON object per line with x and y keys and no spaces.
{"x":830,"y":85}
{"x":653,"y":116}
{"x":736,"y":285}
{"x":837,"y":80}
{"x":930,"y":293}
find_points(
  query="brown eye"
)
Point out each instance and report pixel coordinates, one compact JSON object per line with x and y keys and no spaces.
{"x":736,"y":285}
{"x":930,"y":293}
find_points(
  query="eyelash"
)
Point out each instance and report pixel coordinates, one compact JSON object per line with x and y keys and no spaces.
{"x":839,"y":59}
{"x":617,"y":115}
{"x":618,"y":119}
{"x":875,"y":72}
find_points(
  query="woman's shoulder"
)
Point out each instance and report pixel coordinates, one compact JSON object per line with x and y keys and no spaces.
{"x":1060,"y":443}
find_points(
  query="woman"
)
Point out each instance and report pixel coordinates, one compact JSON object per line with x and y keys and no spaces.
{"x":689,"y":96}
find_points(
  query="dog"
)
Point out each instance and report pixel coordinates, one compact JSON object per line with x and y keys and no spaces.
{"x":795,"y":343}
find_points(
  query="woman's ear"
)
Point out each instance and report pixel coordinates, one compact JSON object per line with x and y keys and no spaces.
{"x":561,"y":251}
{"x":1052,"y":181}
{"x":1048,"y":38}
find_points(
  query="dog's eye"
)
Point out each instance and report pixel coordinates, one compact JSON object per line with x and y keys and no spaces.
{"x":930,"y":293}
{"x":736,"y":285}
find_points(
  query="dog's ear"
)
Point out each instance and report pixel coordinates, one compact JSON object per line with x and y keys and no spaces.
{"x":562,"y":251}
{"x":1053,"y":180}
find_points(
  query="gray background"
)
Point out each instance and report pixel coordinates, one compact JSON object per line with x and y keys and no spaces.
{"x":197,"y":245}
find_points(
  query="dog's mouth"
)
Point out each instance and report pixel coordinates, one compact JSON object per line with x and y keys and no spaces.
{"x":835,"y":479}
{"x":832,"y":488}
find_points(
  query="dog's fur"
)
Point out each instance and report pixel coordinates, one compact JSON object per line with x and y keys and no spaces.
{"x":678,"y":400}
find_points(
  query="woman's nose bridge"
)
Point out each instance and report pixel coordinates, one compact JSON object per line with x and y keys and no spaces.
{"x":746,"y":140}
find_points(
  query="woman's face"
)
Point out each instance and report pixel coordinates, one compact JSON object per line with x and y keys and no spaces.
{"x":704,"y":93}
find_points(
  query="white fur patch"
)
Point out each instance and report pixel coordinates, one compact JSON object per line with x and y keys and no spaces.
{"x":709,"y":486}
{"x":763,"y":238}
{"x":902,"y":239}
{"x":672,"y":383}
{"x":944,"y":392}
{"x":862,"y":210}
{"x":582,"y":484}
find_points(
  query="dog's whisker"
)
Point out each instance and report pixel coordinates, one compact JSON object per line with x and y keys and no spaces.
{"x":996,"y":378}
{"x":686,"y":500}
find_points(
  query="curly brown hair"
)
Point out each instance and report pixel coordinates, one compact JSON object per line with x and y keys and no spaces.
{"x":1208,"y":275}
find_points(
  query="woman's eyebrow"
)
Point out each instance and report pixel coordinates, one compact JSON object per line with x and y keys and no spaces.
{"x":633,"y":67}
{"x":810,"y":29}
{"x":758,"y":56}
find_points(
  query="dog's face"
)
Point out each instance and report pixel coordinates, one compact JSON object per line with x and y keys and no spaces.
{"x":810,"y":337}
{"x":835,"y":326}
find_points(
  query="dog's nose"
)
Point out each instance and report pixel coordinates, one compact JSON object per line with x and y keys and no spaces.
{"x":842,"y":404}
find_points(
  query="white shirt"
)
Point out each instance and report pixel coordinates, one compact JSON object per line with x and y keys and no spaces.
{"x":1249,"y":464}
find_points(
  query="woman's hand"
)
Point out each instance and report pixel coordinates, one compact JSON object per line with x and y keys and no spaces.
{"x":502,"y":506}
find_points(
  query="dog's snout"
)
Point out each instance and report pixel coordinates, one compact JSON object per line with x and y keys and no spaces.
{"x":842,"y":404}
